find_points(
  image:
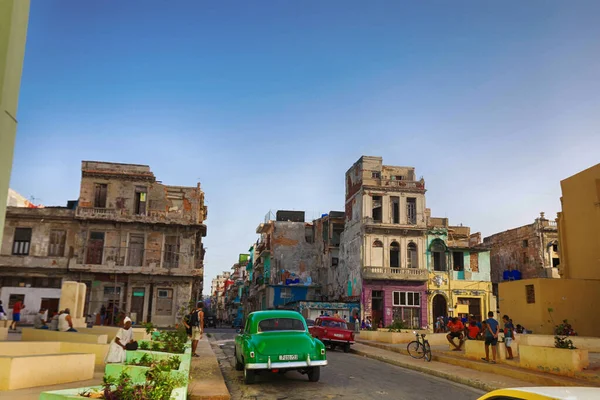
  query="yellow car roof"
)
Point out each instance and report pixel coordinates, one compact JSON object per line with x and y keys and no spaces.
{"x":546,"y":393}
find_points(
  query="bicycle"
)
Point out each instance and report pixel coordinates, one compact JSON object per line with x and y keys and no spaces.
{"x":419,"y":348}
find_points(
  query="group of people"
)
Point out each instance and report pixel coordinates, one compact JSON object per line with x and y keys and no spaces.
{"x":61,"y":321}
{"x":487,"y":330}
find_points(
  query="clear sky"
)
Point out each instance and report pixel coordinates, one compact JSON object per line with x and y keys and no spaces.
{"x":268,"y":103}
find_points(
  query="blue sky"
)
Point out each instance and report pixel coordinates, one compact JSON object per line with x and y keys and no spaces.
{"x":268,"y":103}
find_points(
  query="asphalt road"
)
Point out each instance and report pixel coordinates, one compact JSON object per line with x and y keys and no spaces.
{"x":347,"y":376}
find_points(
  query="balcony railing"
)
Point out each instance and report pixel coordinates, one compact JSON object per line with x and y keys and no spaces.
{"x":135,"y":257}
{"x":119,"y":214}
{"x":401,"y":274}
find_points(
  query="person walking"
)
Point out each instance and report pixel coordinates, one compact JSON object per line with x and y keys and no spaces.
{"x":16,"y":317}
{"x":509,"y":336}
{"x":491,"y":337}
{"x":197,"y":324}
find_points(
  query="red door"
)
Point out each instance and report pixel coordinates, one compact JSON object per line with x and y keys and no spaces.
{"x":95,"y":248}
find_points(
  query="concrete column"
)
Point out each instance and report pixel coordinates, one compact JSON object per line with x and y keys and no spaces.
{"x":82,"y":289}
{"x":69,"y":296}
{"x":385,"y":209}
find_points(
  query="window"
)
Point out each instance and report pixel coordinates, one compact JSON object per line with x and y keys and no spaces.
{"x":135,"y":252}
{"x":112,"y":290}
{"x":530,"y":294}
{"x":140,"y":200}
{"x":95,"y":248}
{"x":555,"y":262}
{"x":100,"y":193}
{"x":438,"y":253}
{"x":397,"y":177}
{"x":407,"y":299}
{"x":164,"y":302}
{"x":285,"y":293}
{"x":412,"y":260}
{"x":555,"y":247}
{"x":411,"y":210}
{"x":171,"y":254}
{"x":458,"y":260}
{"x":525,"y":243}
{"x":309,"y":236}
{"x":376,"y":175}
{"x":335,"y":261}
{"x":22,"y":242}
{"x":57,"y":243}
{"x":337,"y":234}
{"x":377,"y":243}
{"x":394,"y":255}
{"x":13,"y":298}
{"x":377,"y":210}
{"x":396,"y":210}
{"x":281,"y":324}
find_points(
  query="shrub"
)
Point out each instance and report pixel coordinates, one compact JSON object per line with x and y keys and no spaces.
{"x":564,"y":329}
{"x":563,"y":343}
{"x":397,"y":326}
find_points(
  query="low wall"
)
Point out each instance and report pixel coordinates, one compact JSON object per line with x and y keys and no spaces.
{"x":18,"y":372}
{"x":15,"y":348}
{"x":111,"y":332}
{"x":475,"y":349}
{"x":45,"y":335}
{"x":553,"y":360}
{"x":3,"y":332}
{"x":402,"y":337}
{"x":592,"y":344}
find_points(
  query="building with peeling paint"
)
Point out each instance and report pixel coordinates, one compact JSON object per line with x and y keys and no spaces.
{"x":382,"y":249}
{"x":135,"y":242}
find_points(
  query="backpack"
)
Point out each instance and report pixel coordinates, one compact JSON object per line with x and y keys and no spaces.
{"x":194,"y":319}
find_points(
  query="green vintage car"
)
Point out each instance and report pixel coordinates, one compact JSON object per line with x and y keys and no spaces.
{"x":278,"y":341}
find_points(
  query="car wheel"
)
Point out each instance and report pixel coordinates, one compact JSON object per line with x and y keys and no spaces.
{"x":314,"y":374}
{"x":249,"y":376}
{"x":347,"y":348}
{"x":238,"y":365}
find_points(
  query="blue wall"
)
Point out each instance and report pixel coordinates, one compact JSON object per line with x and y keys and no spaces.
{"x":299,"y":293}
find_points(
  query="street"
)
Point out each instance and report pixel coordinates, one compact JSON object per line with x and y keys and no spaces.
{"x":347,"y":376}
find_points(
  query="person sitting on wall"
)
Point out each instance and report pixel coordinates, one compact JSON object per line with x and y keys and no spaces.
{"x":39,"y":322}
{"x":456,"y":331}
{"x":123,"y":341}
{"x":54,"y":321}
{"x":65,"y":322}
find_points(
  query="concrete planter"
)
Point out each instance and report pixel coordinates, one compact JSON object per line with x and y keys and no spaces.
{"x":138,"y":372}
{"x":176,"y":394}
{"x":592,"y":344}
{"x":475,"y":349}
{"x":552,"y":360}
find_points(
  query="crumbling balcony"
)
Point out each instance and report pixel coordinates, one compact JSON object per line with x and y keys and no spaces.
{"x":397,"y":274}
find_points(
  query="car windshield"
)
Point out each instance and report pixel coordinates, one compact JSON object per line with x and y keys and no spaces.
{"x":280,"y":324}
{"x":335,"y":324}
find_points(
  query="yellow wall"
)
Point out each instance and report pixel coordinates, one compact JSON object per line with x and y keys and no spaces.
{"x":14,"y":15}
{"x":571,"y":299}
{"x":448,"y":288}
{"x":579,"y":225}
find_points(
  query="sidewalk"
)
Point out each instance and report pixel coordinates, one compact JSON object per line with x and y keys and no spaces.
{"x":455,"y":367}
{"x":206,"y":379}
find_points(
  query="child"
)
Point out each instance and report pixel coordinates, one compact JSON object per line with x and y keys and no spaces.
{"x":509,"y":335}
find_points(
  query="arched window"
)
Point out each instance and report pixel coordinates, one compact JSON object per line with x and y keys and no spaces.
{"x":377,"y":254}
{"x":438,"y":254}
{"x":411,"y":256}
{"x":394,"y":255}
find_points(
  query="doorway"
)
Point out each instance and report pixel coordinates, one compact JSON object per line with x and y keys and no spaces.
{"x":377,"y":306}
{"x":51,"y":305}
{"x":440,"y":306}
{"x":137,"y":304}
{"x":95,"y":248}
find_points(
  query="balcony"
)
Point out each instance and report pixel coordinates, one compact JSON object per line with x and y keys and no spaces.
{"x":125,"y":215}
{"x":397,"y":274}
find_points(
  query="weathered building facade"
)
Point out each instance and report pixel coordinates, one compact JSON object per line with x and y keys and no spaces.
{"x":530,"y":249}
{"x":136,"y":243}
{"x":459,"y":272}
{"x":328,"y":232}
{"x":382,"y":250}
{"x":283,"y":262}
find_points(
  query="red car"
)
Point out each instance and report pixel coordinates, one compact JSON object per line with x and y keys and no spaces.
{"x":333,"y":332}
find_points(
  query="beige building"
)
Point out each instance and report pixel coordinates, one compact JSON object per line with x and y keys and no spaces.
{"x":14,"y":17}
{"x":136,"y":243}
{"x":382,"y":250}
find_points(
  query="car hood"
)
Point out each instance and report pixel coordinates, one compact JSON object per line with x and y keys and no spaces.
{"x":276,"y":343}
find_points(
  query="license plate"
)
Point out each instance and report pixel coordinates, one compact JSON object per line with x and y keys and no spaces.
{"x":338,"y":335}
{"x":289,"y":357}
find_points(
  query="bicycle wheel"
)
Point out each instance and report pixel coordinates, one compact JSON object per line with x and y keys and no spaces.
{"x":415,"y":349}
{"x":427,"y":352}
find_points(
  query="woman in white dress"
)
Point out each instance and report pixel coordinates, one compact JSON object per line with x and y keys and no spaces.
{"x":116,"y":351}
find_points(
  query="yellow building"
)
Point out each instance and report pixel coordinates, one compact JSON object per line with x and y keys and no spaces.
{"x":14,"y":16}
{"x":459,"y":282}
{"x":541,"y":304}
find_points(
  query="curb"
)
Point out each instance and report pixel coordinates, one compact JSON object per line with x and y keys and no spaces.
{"x":207,"y":381}
{"x":451,"y":377}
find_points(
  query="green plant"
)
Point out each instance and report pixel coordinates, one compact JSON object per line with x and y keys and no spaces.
{"x":156,"y":346}
{"x":563,"y":343}
{"x":564,"y":329}
{"x":397,"y":326}
{"x":149,"y":327}
{"x":144,"y":345}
